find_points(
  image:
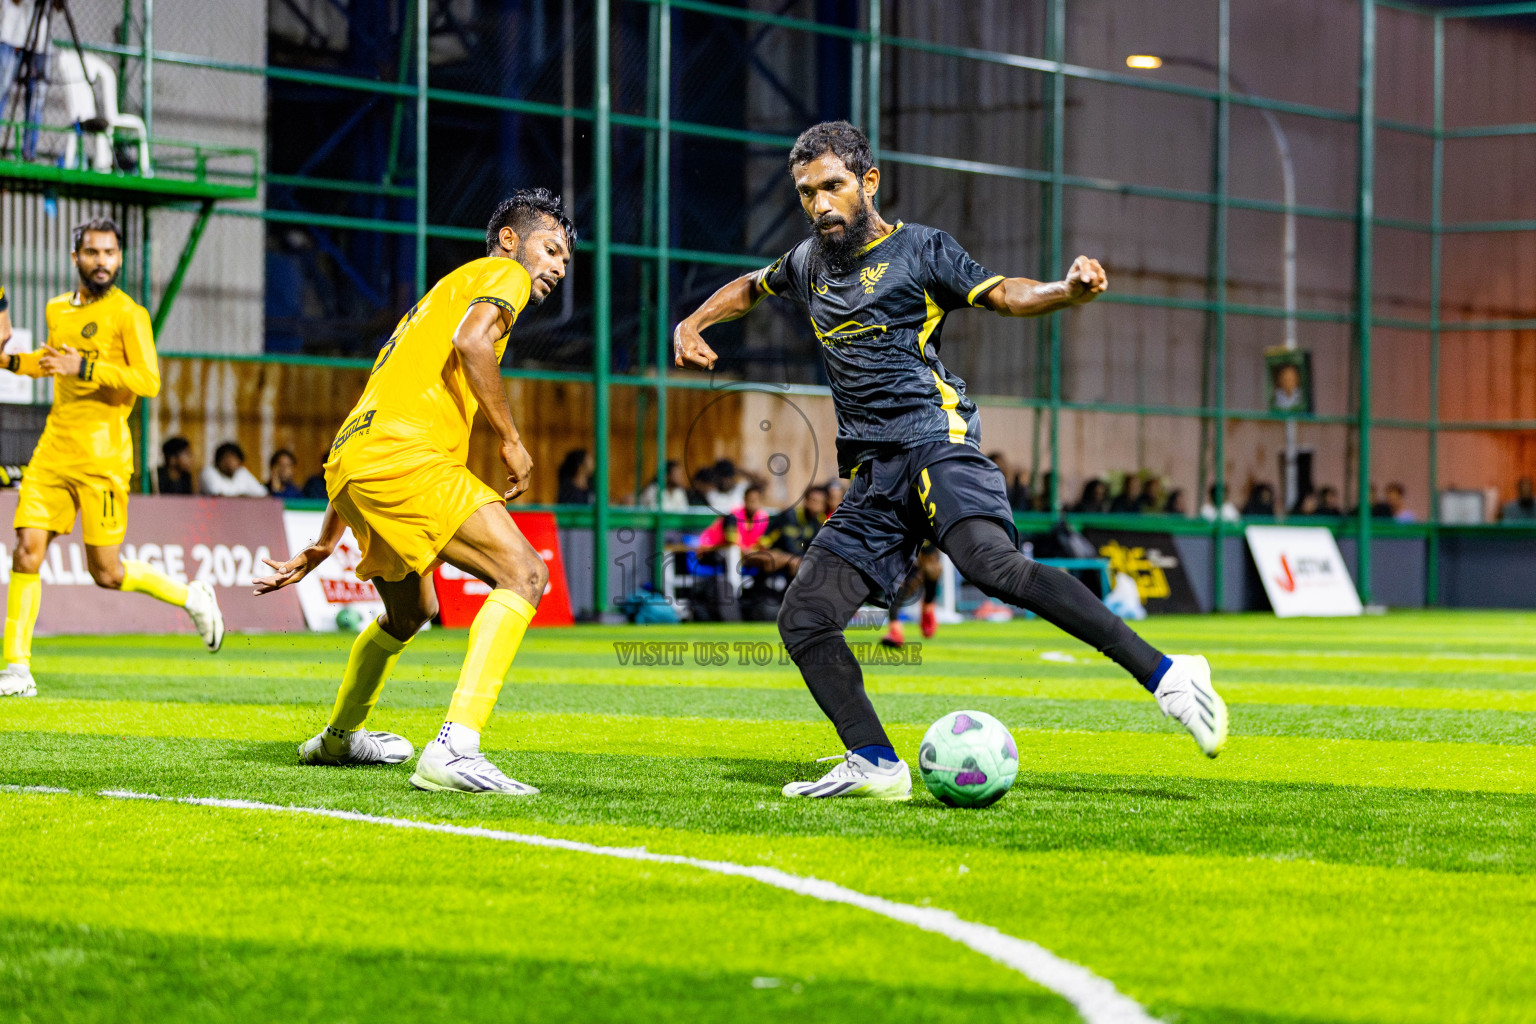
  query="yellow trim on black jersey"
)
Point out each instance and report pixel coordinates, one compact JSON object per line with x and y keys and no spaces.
{"x":949,"y":398}
{"x":871,"y":245}
{"x":991,"y":282}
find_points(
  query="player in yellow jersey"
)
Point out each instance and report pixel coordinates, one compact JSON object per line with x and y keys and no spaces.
{"x":101,"y":355}
{"x":5,"y":318}
{"x":397,"y":476}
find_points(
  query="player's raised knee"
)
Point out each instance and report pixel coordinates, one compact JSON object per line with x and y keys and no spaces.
{"x":108,"y":577}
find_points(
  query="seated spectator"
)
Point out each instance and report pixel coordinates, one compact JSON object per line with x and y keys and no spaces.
{"x":280,"y":469}
{"x":314,"y":487}
{"x":575,"y":478}
{"x":1125,"y":501}
{"x":730,"y":487}
{"x":1396,"y":504}
{"x":1151,"y":497}
{"x":1261,"y":500}
{"x":1095,"y":497}
{"x":175,"y":474}
{"x":836,"y":490}
{"x":1328,"y":502}
{"x":675,"y":497}
{"x":1523,"y":508}
{"x":1174,"y":505}
{"x":1014,"y":481}
{"x":742,"y":528}
{"x":702,"y":483}
{"x":1208,"y":512}
{"x":789,"y":535}
{"x":1306,"y":505}
{"x":228,"y":477}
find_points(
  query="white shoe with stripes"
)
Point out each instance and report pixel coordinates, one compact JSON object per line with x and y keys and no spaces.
{"x":355,"y":748}
{"x":442,"y":769}
{"x":1186,"y":693}
{"x":16,"y":681}
{"x":858,"y":777}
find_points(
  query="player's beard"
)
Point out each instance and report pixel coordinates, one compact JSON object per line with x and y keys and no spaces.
{"x":840,"y":254}
{"x":93,"y":289}
{"x":517,"y":255}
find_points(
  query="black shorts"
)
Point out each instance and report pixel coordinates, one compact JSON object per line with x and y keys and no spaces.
{"x":896,"y":502}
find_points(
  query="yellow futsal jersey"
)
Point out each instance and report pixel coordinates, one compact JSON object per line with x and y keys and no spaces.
{"x":87,"y":428}
{"x":418,"y":404}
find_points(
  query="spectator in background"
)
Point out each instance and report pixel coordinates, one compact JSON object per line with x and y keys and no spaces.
{"x":175,"y":475}
{"x":730,"y":487}
{"x":1306,"y":506}
{"x":1042,"y":497}
{"x":575,"y":478}
{"x":1125,"y":501}
{"x":836,"y":489}
{"x":280,"y":470}
{"x":1151,"y":497}
{"x":1328,"y":502}
{"x":1396,"y":504}
{"x":1208,"y":512}
{"x":1523,"y":508}
{"x":702,"y":483}
{"x":1095,"y":497}
{"x":789,"y":535}
{"x":228,"y":477}
{"x":314,"y":487}
{"x":1261,"y":500}
{"x":1174,"y":506}
{"x":26,"y":68}
{"x":675,"y":497}
{"x":743,"y":527}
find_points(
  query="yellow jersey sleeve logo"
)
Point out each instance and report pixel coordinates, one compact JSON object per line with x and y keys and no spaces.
{"x":870,"y":276}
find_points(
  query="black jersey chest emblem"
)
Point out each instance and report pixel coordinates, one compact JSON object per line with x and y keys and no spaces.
{"x":870,"y":276}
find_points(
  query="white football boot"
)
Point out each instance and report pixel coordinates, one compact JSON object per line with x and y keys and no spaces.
{"x":1186,"y":693}
{"x":16,"y":681}
{"x":362,"y":746}
{"x":202,"y":608}
{"x":444,"y":768}
{"x":858,"y":777}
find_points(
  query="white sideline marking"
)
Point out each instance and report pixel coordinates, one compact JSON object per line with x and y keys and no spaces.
{"x":1095,"y":998}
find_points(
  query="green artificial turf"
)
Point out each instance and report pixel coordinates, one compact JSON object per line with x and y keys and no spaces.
{"x":1365,"y":849}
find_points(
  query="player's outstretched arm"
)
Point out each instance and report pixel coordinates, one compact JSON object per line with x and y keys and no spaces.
{"x":28,"y":364}
{"x":299,"y":566}
{"x":1019,"y":296}
{"x":731,"y":302}
{"x":5,"y":320}
{"x":475,"y":341}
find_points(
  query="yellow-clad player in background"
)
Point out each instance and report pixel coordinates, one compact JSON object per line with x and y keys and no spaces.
{"x":101,"y":355}
{"x":397,"y":476}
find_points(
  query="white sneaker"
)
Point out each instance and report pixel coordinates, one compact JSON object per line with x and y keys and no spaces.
{"x":203,"y":608}
{"x":16,"y":681}
{"x":359,"y":747}
{"x":1186,"y":694}
{"x":442,"y":769}
{"x":858,"y":777}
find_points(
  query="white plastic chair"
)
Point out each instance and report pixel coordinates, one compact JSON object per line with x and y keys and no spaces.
{"x":90,"y":97}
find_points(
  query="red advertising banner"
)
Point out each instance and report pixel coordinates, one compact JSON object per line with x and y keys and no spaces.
{"x":218,"y":540}
{"x":460,"y":595}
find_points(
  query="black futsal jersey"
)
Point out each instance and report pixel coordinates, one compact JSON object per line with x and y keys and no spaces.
{"x":879,"y":325}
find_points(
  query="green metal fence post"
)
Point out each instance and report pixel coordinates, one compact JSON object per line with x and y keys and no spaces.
{"x":1056,"y":50}
{"x":1365,"y":211}
{"x":423,"y":23}
{"x":872,"y":68}
{"x":1437,"y":183}
{"x":602,"y":297}
{"x":663,"y":242}
{"x":1219,"y":262}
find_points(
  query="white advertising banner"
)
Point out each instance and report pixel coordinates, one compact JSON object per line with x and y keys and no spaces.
{"x":1302,"y":570}
{"x":333,"y":586}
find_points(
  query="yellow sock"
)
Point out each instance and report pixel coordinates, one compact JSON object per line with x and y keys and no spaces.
{"x":373,"y":657}
{"x":493,"y":640}
{"x":139,"y":578}
{"x":22,"y":600}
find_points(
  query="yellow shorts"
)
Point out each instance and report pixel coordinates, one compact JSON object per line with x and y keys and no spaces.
{"x":401,"y":521}
{"x":50,"y":497}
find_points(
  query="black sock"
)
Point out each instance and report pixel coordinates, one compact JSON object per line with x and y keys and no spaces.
{"x":930,"y":590}
{"x":836,"y":681}
{"x":984,"y":555}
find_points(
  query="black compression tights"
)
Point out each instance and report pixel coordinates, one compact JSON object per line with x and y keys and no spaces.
{"x":828,"y":591}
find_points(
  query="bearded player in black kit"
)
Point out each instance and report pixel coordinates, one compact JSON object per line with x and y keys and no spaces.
{"x":909,"y":439}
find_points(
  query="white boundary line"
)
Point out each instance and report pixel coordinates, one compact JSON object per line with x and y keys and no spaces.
{"x":1096,"y":999}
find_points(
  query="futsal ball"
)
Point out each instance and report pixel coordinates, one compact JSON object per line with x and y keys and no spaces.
{"x":349,"y":620}
{"x":968,"y":759}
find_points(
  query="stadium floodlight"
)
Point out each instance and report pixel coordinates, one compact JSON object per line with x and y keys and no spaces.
{"x":1145,"y":61}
